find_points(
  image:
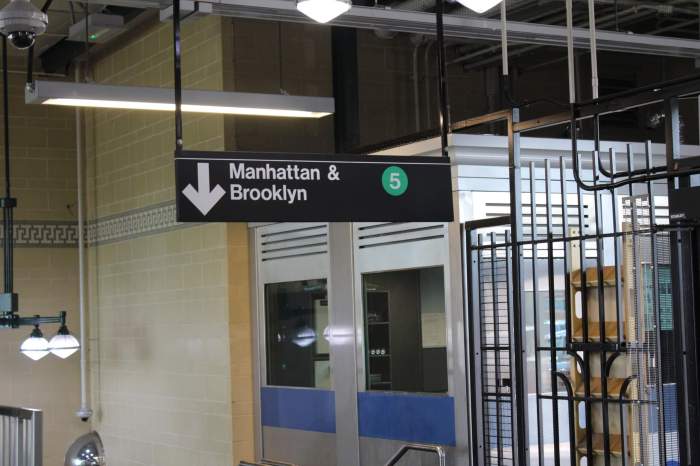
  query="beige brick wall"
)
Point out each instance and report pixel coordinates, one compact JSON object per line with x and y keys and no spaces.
{"x":162,"y":373}
{"x":301,"y":67}
{"x":44,"y":182}
{"x":240,"y":331}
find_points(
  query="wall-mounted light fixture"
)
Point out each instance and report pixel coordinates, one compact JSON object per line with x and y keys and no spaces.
{"x":480,"y":6}
{"x":323,"y":11}
{"x":151,"y":98}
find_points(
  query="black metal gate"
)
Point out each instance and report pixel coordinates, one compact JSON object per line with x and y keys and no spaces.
{"x":581,"y":302}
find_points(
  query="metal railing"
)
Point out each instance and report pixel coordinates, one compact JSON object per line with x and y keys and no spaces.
{"x":438,"y":450}
{"x":266,"y":462}
{"x":20,"y":437}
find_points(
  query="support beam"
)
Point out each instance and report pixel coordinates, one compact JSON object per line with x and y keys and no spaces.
{"x":463,"y":27}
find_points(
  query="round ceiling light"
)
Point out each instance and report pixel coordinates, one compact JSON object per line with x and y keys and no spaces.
{"x":323,"y":11}
{"x":36,"y":346}
{"x":63,"y":344}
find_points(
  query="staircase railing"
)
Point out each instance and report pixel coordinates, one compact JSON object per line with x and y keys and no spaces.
{"x":21,"y":437}
{"x":438,"y":450}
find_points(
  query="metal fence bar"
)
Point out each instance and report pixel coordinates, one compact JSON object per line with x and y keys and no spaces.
{"x":20,"y":437}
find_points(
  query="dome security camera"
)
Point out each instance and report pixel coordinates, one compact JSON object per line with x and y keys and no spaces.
{"x":21,"y":22}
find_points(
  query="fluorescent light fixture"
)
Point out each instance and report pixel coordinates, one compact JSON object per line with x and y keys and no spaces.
{"x":323,"y":11}
{"x":63,"y":344}
{"x":36,"y":346}
{"x":480,"y":6}
{"x":154,"y":98}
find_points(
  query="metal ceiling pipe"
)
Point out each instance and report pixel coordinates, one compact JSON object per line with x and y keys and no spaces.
{"x":420,"y":5}
{"x":594,"y":49}
{"x":504,"y":39}
{"x":570,"y":50}
{"x":464,"y":27}
{"x":605,"y":21}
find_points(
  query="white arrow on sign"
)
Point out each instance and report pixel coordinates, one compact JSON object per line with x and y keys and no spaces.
{"x":205,"y":198}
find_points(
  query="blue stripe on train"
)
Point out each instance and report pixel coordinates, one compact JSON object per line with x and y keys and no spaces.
{"x":407,"y":417}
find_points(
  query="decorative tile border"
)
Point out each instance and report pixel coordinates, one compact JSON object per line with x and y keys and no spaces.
{"x":45,"y":234}
{"x":132,"y":224}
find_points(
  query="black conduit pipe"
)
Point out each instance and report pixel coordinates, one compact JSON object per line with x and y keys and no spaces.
{"x":8,"y":203}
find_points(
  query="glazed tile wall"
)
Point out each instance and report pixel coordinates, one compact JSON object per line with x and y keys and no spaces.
{"x":161,"y":369}
{"x":44,"y":182}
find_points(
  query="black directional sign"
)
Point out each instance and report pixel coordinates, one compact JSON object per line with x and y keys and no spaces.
{"x":269,"y":187}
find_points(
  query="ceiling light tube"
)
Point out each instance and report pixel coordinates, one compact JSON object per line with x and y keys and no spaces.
{"x":162,"y":99}
{"x":480,"y":6}
{"x":323,"y":11}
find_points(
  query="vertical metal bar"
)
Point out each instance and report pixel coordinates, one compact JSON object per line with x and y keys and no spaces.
{"x":567,"y":299}
{"x":535,"y":309}
{"x":684,"y":312}
{"x":594,"y":48}
{"x":552,"y":313}
{"x":474,"y":322}
{"x":617,"y":251}
{"x":570,"y":50}
{"x":600,"y":262}
{"x":521,"y":440}
{"x":504,"y":38}
{"x":618,"y":290}
{"x":486,"y":428}
{"x":177,"y":50}
{"x":497,"y":347}
{"x":442,"y":77}
{"x":584,"y":312}
{"x":565,"y":245}
{"x":38,"y":423}
{"x":657,"y":309}
{"x":20,"y":442}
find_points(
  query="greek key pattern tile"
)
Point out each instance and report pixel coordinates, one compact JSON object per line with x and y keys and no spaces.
{"x":45,"y":234}
{"x":133,"y":224}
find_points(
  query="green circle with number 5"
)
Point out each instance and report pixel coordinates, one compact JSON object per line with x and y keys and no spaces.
{"x":395,"y":181}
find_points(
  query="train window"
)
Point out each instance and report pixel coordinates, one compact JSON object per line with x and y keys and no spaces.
{"x":405,"y":328}
{"x":296,"y":315}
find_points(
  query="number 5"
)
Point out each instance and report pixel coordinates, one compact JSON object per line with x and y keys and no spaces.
{"x":395,"y":181}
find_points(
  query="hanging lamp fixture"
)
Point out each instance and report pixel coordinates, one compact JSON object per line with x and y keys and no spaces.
{"x":480,"y":6}
{"x":36,"y":346}
{"x":323,"y":11}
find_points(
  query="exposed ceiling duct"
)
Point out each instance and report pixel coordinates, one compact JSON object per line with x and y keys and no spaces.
{"x":465,"y":27}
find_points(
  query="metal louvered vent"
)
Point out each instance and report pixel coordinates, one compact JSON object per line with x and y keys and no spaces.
{"x":371,"y":235}
{"x":294,"y":240}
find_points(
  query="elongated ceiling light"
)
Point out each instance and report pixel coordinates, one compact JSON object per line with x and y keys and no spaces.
{"x":153,"y":98}
{"x":480,"y":6}
{"x":323,"y":11}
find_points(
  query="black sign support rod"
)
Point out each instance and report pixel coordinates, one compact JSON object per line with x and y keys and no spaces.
{"x":8,"y":202}
{"x":442,"y":77}
{"x":177,"y":50}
